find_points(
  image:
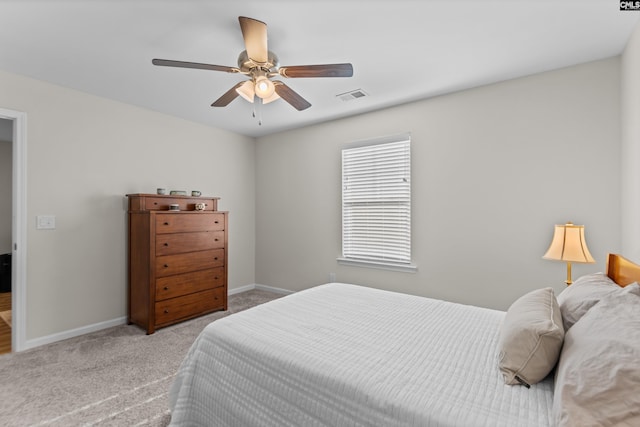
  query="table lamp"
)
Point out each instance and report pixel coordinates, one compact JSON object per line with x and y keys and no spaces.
{"x":569,"y":245}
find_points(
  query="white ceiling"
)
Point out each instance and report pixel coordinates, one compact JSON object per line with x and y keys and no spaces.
{"x":401,"y":50}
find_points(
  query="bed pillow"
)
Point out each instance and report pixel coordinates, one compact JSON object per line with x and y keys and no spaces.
{"x":575,"y":300}
{"x":531,"y":337}
{"x":598,"y":372}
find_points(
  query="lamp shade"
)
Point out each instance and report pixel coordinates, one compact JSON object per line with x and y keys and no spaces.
{"x":273,"y":97}
{"x":568,"y":244}
{"x":246,"y":90}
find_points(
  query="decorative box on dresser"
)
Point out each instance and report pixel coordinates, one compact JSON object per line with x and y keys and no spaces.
{"x":177,"y":259}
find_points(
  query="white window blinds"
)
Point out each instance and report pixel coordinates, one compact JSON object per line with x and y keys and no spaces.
{"x":376,"y":202}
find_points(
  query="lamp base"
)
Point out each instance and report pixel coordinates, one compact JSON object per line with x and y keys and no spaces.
{"x":568,"y":281}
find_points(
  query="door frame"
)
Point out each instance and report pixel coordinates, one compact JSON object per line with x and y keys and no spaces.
{"x":18,"y":227}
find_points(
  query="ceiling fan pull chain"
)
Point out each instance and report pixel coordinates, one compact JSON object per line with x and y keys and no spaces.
{"x":257,"y":102}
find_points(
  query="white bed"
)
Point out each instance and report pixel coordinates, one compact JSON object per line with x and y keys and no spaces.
{"x":347,"y":355}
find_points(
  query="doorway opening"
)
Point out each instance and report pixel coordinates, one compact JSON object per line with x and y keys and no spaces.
{"x":6,"y":239}
{"x":17,"y":245}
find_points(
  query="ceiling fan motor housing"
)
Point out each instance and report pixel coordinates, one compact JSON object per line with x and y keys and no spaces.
{"x":246,"y":64}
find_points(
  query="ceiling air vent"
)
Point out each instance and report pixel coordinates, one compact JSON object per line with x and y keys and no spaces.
{"x":351,"y":95}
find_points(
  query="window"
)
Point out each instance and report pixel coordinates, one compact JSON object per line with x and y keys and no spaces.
{"x":376,"y":203}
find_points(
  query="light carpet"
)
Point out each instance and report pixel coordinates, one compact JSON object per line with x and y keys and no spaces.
{"x":115,"y":377}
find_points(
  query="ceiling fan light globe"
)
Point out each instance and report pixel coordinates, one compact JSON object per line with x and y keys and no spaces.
{"x":246,"y":91}
{"x":264,"y":88}
{"x":272,"y":98}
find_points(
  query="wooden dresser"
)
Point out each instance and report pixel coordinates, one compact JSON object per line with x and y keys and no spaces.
{"x":177,"y":259}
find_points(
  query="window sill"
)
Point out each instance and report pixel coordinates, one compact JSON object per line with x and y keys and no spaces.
{"x":405,"y":268}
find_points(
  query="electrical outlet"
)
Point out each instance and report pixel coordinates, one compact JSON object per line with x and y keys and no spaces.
{"x":332,"y":277}
{"x":46,"y":222}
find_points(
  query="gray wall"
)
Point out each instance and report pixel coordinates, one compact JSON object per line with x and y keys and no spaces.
{"x":630,"y":83}
{"x":84,"y":153}
{"x":494,"y":168}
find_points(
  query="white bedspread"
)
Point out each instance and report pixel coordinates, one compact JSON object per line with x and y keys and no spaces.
{"x":346,"y":355}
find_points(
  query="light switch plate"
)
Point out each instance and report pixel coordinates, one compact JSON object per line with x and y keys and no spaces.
{"x":46,"y":222}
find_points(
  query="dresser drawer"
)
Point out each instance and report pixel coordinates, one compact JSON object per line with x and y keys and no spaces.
{"x":155,"y":202}
{"x":185,"y":203}
{"x":167,"y":244}
{"x":162,"y":203}
{"x":176,"y":222}
{"x":188,"y":283}
{"x":168,"y":265}
{"x":188,"y":306}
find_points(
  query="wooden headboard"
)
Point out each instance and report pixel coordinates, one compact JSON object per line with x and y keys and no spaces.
{"x":621,"y":270}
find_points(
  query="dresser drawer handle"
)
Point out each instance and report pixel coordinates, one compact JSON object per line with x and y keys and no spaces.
{"x":216,"y":222}
{"x":215,"y":258}
{"x":166,"y":223}
{"x":166,"y":311}
{"x":166,"y":288}
{"x":216,"y":278}
{"x":166,"y":266}
{"x":216,"y":239}
{"x":166,"y":244}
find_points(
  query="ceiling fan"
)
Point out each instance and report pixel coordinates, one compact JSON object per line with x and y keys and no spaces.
{"x":261,"y":65}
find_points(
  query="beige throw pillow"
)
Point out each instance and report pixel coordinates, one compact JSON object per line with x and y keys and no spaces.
{"x":598,"y":376}
{"x":575,"y":300}
{"x":531,"y":338}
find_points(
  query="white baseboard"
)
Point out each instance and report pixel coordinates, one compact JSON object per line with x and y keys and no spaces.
{"x":72,"y":333}
{"x":244,"y":288}
{"x":273,"y":289}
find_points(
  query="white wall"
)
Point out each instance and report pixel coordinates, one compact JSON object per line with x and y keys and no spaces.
{"x":84,"y":153}
{"x":493,"y":169}
{"x":630,"y":85}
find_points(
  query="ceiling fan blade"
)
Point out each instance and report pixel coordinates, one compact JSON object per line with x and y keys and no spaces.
{"x":228,"y":96}
{"x":183,"y":64}
{"x":327,"y":70}
{"x":254,"y":33}
{"x":288,"y":94}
